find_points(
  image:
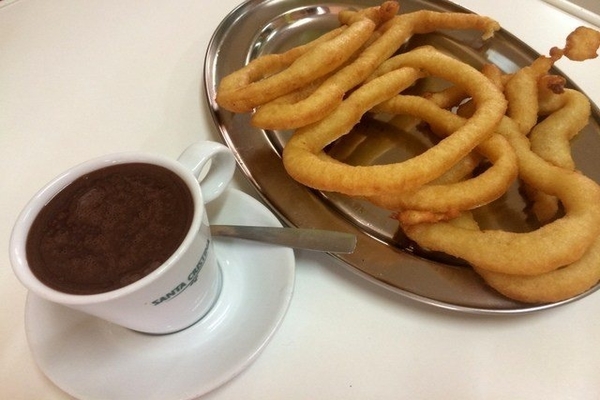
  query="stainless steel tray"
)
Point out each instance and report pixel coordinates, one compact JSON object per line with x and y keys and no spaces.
{"x":382,"y":256}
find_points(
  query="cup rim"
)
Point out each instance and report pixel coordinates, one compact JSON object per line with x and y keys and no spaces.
{"x":20,"y":231}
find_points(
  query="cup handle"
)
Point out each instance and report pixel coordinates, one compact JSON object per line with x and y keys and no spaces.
{"x":221,"y":167}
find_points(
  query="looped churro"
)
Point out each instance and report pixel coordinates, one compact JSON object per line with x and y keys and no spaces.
{"x":302,"y":155}
{"x":297,"y":110}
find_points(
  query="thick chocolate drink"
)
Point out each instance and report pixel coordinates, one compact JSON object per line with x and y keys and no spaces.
{"x":109,"y":228}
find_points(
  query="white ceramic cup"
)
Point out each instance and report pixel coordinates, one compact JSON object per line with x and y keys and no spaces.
{"x":179,"y":292}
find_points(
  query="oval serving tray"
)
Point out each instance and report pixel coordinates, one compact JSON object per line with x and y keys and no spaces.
{"x":382,"y":255}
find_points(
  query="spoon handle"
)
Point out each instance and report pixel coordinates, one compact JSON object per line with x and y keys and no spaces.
{"x":307,"y":239}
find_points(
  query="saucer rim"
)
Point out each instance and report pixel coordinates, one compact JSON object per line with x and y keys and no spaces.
{"x":232,"y":198}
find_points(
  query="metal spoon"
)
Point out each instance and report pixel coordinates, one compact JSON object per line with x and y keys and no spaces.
{"x":307,"y":239}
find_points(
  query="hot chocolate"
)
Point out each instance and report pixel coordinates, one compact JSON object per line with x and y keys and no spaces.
{"x":109,"y":228}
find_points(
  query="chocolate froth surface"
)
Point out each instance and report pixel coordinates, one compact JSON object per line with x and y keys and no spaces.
{"x":109,"y":228}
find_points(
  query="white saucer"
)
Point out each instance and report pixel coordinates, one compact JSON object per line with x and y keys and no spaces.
{"x":90,"y":358}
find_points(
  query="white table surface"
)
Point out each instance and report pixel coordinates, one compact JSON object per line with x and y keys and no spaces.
{"x":78,"y":79}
